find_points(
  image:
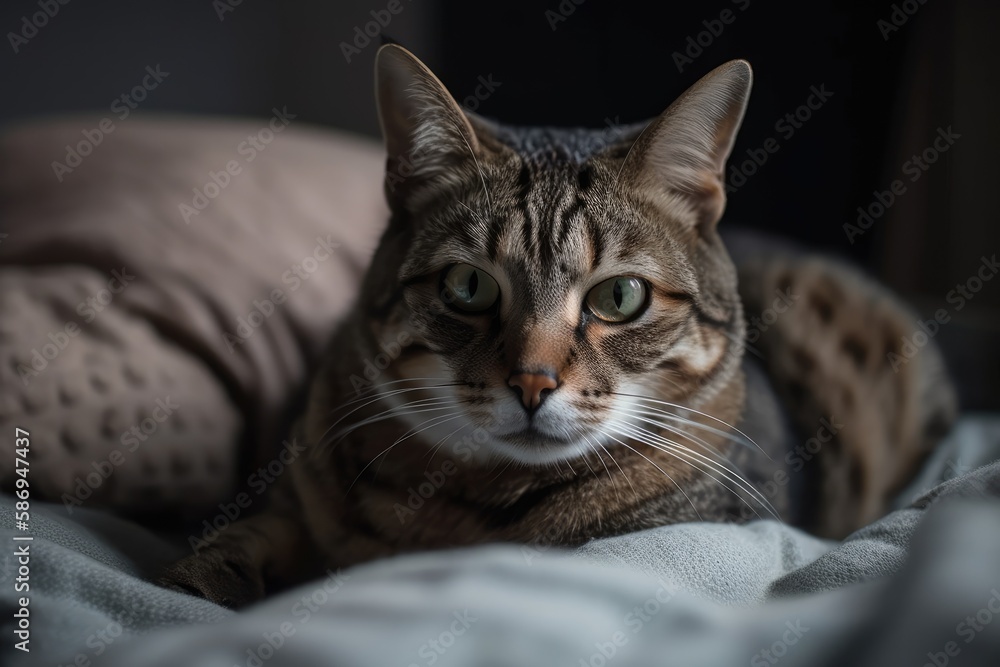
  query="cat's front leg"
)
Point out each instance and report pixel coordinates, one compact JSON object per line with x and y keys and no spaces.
{"x":248,"y":560}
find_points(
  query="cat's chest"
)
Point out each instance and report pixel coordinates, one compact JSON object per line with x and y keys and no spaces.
{"x":416,"y":501}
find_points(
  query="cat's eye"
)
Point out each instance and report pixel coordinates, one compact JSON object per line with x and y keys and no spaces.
{"x":618,"y":299}
{"x":469,"y":289}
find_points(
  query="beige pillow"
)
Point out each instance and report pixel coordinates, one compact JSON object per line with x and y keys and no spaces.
{"x":165,"y":289}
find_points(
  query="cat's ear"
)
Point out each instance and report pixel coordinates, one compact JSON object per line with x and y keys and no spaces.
{"x":426,"y":133}
{"x":684,"y":151}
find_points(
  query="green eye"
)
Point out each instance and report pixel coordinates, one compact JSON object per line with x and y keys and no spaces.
{"x":470,"y":289}
{"x":618,"y":299}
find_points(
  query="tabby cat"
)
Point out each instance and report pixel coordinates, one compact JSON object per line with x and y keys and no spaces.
{"x":549,"y":348}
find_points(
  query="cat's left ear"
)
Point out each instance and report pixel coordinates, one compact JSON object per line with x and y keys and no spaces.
{"x":427,"y":135}
{"x":684,"y":151}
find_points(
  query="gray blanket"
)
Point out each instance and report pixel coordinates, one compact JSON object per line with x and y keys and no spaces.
{"x":919,"y":587}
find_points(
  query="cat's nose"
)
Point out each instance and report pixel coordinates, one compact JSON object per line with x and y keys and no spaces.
{"x":533,"y":388}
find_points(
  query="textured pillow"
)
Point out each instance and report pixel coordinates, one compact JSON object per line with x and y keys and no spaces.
{"x":163,"y":294}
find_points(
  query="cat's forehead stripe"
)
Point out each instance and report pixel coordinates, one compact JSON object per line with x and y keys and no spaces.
{"x":550,"y":219}
{"x":568,"y":219}
{"x":597,"y":242}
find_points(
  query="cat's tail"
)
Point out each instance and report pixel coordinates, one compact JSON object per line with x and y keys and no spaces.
{"x":863,"y":380}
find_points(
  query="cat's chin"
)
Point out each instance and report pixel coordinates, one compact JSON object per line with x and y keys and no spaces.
{"x":534,"y":448}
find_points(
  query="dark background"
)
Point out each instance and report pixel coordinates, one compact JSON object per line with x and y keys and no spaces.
{"x":892,"y":90}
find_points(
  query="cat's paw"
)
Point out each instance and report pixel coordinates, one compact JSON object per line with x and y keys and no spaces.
{"x":222,"y":576}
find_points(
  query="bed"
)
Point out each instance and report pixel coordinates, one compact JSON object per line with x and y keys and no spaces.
{"x":148,"y":356}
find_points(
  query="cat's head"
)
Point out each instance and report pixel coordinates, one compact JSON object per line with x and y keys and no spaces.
{"x":551,"y":277}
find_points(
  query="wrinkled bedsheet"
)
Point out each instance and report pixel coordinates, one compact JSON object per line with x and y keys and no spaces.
{"x":919,"y":587}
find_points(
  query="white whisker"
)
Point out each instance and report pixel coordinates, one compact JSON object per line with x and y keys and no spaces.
{"x":385,"y":452}
{"x":697,"y":412}
{"x":587,"y":463}
{"x":591,"y":446}
{"x":420,"y":428}
{"x":642,"y":414}
{"x":634,"y":492}
{"x":697,"y":513}
{"x":696,"y":424}
{"x":373,"y":399}
{"x":425,"y":405}
{"x":752,"y":491}
{"x":432,"y":451}
{"x":391,"y":392}
{"x":683,"y":453}
{"x":510,"y":462}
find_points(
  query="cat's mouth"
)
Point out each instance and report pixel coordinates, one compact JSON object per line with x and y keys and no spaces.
{"x":533,"y":446}
{"x":532,"y":436}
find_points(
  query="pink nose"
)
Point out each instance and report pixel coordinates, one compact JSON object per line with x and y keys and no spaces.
{"x":533,"y":388}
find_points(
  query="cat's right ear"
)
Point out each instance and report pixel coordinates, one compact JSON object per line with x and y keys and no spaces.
{"x":427,"y":136}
